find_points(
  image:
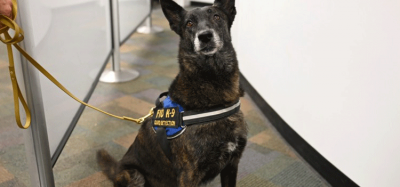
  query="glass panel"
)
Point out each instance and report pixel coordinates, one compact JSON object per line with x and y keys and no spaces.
{"x":72,"y":40}
{"x":131,"y":14}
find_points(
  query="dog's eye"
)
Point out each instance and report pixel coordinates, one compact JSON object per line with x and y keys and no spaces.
{"x":189,"y":24}
{"x":216,"y":17}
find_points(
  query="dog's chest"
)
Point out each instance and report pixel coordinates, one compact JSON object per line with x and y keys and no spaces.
{"x":231,"y":146}
{"x":214,"y":151}
{"x":213,"y":145}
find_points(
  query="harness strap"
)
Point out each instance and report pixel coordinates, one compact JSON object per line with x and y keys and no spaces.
{"x":159,"y":104}
{"x":161,"y":132}
{"x":164,"y":143}
{"x":193,"y":118}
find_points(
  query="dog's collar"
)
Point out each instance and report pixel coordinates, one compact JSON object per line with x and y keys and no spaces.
{"x":176,"y":124}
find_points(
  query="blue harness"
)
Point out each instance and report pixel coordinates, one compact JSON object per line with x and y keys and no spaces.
{"x":170,"y":120}
{"x":171,"y":132}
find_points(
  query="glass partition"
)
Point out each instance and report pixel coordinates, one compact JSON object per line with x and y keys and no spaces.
{"x":72,"y":40}
{"x":131,"y":14}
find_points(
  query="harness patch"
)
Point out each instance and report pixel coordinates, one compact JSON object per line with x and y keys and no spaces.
{"x":167,"y":117}
{"x":170,"y":117}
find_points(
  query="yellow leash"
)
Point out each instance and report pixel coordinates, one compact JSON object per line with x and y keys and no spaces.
{"x":18,"y":37}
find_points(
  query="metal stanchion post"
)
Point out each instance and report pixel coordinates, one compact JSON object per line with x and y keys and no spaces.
{"x":117,"y":74}
{"x":37,"y":146}
{"x":149,"y":28}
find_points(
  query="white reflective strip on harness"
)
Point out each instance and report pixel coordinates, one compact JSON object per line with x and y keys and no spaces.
{"x":214,"y":113}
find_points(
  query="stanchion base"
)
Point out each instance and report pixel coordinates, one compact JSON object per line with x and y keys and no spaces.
{"x":123,"y":75}
{"x":149,"y":30}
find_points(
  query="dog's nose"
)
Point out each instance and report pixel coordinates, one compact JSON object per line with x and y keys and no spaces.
{"x":205,"y":36}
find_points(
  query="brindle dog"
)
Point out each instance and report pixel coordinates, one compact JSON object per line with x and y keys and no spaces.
{"x":208,"y":78}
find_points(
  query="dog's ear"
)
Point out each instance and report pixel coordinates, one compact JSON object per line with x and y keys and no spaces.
{"x":174,"y":14}
{"x":229,"y":7}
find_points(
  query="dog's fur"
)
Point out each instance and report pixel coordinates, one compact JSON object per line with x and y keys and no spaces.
{"x":208,"y":78}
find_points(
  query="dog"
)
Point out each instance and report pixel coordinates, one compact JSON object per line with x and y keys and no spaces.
{"x":208,"y":78}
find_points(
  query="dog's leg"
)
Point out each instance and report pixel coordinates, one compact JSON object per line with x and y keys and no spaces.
{"x":136,"y":180}
{"x":229,"y":174}
{"x":188,"y":179}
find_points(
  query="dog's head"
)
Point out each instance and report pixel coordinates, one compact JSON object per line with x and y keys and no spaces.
{"x":204,"y":30}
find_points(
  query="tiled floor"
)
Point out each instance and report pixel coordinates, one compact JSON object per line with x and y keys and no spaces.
{"x":267,"y":160}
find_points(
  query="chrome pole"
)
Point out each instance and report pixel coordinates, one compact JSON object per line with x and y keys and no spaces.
{"x":36,"y":139}
{"x":148,"y":27}
{"x":117,"y":74}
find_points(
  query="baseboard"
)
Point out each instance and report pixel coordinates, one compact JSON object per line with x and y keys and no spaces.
{"x":327,"y":170}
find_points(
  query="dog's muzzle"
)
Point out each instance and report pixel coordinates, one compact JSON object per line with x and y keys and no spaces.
{"x":207,"y":42}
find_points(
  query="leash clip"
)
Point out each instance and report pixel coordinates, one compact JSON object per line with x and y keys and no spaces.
{"x":142,"y":119}
{"x":150,"y":114}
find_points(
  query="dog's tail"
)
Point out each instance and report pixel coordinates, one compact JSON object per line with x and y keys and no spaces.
{"x":110,"y":168}
{"x":107,"y":164}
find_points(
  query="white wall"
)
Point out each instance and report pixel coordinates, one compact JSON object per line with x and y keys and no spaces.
{"x":331,"y":69}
